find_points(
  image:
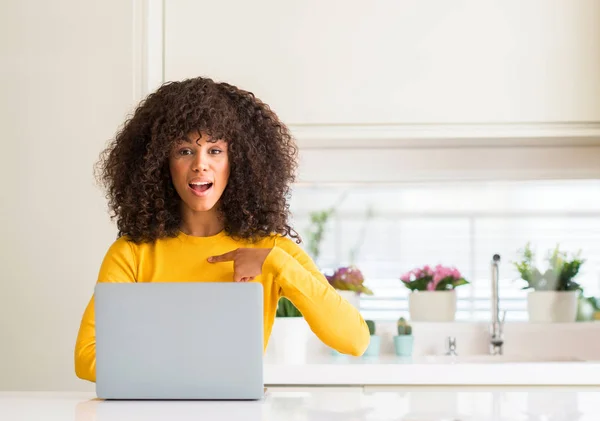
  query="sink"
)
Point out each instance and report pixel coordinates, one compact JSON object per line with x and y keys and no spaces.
{"x":490,"y":359}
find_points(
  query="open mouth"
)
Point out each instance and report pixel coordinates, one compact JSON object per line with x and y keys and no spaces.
{"x":201,"y":189}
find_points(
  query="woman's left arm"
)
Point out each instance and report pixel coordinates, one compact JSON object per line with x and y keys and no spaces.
{"x":332,"y":318}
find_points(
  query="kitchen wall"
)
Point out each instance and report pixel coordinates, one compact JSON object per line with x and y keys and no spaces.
{"x":70,"y":74}
{"x":377,"y":92}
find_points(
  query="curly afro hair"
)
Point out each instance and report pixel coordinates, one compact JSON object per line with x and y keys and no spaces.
{"x":134,"y":168}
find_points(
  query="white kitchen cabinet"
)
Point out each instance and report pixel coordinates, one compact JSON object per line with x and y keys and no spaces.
{"x":397,"y":63}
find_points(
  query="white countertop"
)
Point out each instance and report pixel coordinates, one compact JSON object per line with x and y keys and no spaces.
{"x":296,"y":356}
{"x":325,"y":404}
{"x":393,"y":370}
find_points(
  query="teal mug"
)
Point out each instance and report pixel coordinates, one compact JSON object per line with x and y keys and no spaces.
{"x":374,"y":346}
{"x":403,"y":345}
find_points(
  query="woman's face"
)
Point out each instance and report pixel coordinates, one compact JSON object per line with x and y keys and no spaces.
{"x":199,"y":169}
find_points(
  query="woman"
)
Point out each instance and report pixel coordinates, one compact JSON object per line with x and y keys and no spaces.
{"x":198,"y":181}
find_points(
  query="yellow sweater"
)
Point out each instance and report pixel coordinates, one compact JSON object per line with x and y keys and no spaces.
{"x":288,"y":271}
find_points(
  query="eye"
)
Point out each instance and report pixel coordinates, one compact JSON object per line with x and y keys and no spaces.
{"x":184,"y":152}
{"x":215,"y":151}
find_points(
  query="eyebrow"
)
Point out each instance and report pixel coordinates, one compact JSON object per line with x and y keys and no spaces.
{"x":209,"y":140}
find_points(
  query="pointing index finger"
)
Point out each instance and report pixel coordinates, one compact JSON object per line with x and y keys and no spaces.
{"x":227,"y":257}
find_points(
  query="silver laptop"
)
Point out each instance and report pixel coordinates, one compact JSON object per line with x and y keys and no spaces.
{"x":179,"y":340}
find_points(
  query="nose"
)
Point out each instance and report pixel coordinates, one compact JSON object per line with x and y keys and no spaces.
{"x":200,"y":162}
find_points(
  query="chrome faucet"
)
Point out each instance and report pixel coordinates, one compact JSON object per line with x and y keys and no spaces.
{"x":496,"y":339}
{"x":451,"y":346}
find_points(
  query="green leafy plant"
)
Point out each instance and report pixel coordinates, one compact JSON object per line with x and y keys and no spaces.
{"x":371,"y":325}
{"x":557,"y":277}
{"x":587,"y":307}
{"x":285,"y":308}
{"x":316,"y":228}
{"x":403,"y":327}
{"x":318,"y":220}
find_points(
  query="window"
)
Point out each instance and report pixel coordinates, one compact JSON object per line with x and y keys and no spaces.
{"x":392,"y":228}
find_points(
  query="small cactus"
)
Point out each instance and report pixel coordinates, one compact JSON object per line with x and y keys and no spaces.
{"x":371,"y":325}
{"x":403,"y":327}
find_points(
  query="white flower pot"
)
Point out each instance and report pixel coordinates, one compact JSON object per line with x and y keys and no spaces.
{"x":352,"y":297}
{"x":552,"y":306}
{"x":289,"y":340}
{"x":432,"y":306}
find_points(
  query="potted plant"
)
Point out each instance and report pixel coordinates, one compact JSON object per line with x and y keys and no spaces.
{"x":403,"y":342}
{"x":375,"y":342}
{"x":554,"y":293}
{"x":285,"y":308}
{"x":432,"y":297}
{"x":348,"y":281}
{"x":290,"y":334}
{"x":587,"y":308}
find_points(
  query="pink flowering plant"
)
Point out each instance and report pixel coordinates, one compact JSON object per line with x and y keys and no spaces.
{"x":440,"y":278}
{"x":349,"y":278}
